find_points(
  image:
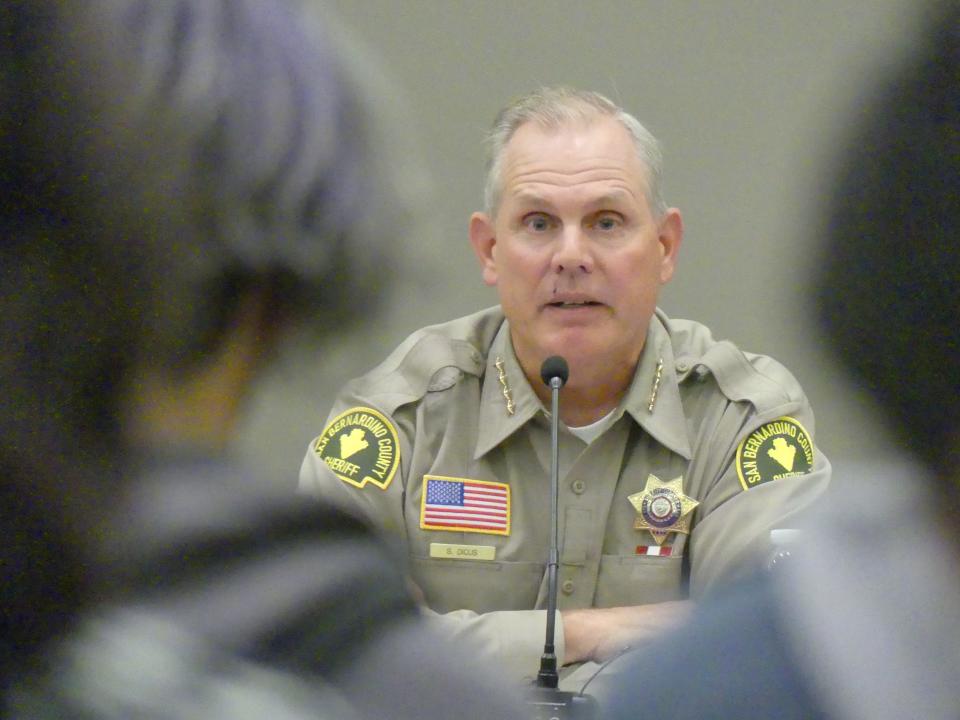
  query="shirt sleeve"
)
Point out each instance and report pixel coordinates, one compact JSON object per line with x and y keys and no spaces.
{"x":732,"y":536}
{"x":379,"y":501}
{"x":382,"y":508}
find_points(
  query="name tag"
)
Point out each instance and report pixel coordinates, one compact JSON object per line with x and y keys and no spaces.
{"x":462,"y":552}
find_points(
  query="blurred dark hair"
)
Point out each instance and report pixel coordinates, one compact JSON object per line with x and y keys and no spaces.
{"x":889,"y":294}
{"x":76,"y":236}
{"x":156,"y":160}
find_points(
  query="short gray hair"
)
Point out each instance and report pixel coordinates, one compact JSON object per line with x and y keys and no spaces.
{"x":553,"y":107}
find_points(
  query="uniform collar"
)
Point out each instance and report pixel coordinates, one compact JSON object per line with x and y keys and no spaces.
{"x":503,"y":383}
{"x":666,"y":422}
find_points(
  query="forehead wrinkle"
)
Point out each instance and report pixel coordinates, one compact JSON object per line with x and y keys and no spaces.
{"x":614,"y":188}
{"x":589,"y":167}
{"x":537,"y":166}
{"x":518,"y":173}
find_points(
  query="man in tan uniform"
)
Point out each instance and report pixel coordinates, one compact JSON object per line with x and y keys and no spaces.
{"x":678,"y":454}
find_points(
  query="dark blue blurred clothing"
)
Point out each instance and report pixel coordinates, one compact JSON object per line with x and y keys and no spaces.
{"x":862,"y":621}
{"x":732,"y":661}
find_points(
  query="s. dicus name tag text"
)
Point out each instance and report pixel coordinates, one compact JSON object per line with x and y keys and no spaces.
{"x":449,"y":551}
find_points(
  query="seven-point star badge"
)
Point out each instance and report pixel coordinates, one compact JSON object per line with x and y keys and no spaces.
{"x":662,"y":508}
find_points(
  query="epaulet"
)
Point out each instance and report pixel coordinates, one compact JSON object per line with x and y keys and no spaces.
{"x":756,"y":379}
{"x":432,"y":359}
{"x":740,"y":376}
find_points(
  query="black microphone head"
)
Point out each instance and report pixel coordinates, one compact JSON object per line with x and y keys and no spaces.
{"x":554,"y":367}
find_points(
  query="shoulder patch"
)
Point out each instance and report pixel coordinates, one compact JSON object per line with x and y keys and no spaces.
{"x":361,"y":446}
{"x":778,"y":449}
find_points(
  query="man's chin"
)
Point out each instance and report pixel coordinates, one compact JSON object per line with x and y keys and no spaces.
{"x":577,"y":348}
{"x":579,"y":345}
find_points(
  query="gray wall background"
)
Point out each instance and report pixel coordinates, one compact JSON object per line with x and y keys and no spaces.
{"x":750,"y":99}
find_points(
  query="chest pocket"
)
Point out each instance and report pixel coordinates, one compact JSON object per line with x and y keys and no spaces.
{"x":478,"y":585}
{"x":638,"y":580}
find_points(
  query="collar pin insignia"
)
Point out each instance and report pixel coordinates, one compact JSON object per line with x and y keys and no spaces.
{"x":656,"y":386}
{"x":507,"y":395}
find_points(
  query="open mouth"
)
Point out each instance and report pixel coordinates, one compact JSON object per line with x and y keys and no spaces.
{"x":581,"y":304}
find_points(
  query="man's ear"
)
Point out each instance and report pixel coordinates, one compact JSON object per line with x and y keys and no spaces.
{"x":484,"y":242}
{"x":670,"y":237}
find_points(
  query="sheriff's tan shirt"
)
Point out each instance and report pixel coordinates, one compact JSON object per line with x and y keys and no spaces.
{"x":726,"y":452}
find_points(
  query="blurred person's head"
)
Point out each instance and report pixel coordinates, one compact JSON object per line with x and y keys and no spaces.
{"x":889,"y":292}
{"x":283,"y":208}
{"x":179,"y":181}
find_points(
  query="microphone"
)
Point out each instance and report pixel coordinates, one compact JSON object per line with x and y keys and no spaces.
{"x":548,"y":701}
{"x":554,"y":368}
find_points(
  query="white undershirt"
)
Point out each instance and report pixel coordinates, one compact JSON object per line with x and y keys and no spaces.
{"x":589,"y":433}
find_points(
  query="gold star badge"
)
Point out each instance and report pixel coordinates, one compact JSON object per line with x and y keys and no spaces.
{"x":662,"y":508}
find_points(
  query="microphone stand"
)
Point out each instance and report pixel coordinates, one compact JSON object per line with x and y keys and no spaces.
{"x":548,"y":702}
{"x":548,"y":677}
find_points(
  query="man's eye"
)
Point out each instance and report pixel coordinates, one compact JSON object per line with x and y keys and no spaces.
{"x":608,"y":222}
{"x":537,"y":223}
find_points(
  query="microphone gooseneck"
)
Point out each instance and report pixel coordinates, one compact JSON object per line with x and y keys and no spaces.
{"x":554,"y":373}
{"x":547,"y":701}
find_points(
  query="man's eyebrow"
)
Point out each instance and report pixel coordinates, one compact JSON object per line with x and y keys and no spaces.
{"x":614,"y":197}
{"x":529,"y":198}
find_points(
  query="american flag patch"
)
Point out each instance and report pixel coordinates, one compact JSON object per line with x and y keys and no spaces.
{"x":661,"y":550}
{"x":468,"y":505}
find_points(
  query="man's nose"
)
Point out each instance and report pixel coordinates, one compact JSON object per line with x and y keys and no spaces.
{"x":573,"y":253}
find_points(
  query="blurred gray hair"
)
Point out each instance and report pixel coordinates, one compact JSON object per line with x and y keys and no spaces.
{"x":281,"y":190}
{"x":554,"y":107}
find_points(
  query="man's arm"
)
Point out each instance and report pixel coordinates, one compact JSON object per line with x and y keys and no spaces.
{"x":511,"y":639}
{"x":382,"y":508}
{"x":776,"y":473}
{"x":515,"y":638}
{"x":597,"y":634}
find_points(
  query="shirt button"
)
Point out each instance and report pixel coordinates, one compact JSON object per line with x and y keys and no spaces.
{"x":567,"y":587}
{"x":682,"y":367}
{"x":579,"y":486}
